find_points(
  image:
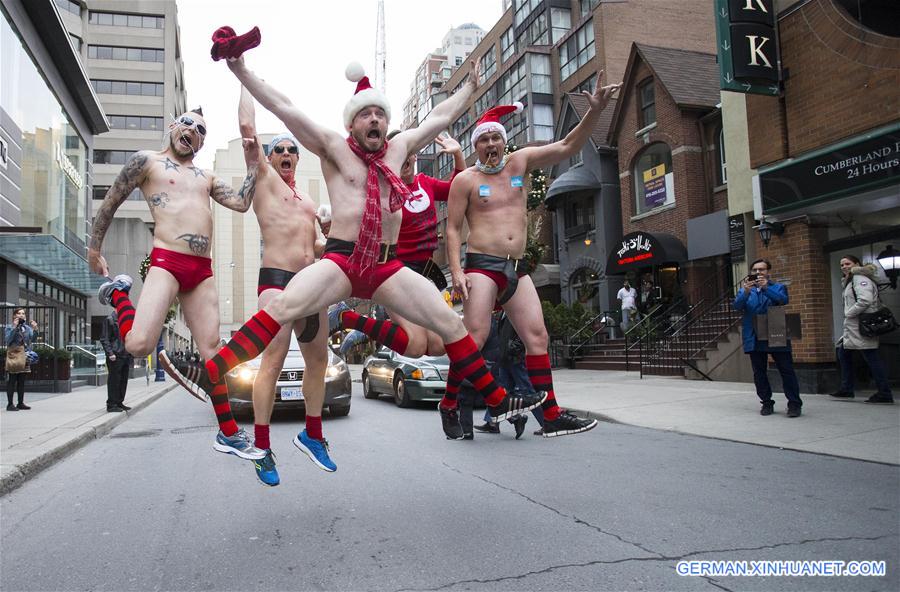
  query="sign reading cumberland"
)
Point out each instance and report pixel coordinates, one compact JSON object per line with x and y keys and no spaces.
{"x":747,"y":46}
{"x":867,"y":162}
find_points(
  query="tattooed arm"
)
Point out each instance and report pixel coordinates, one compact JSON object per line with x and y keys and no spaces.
{"x":130,"y":177}
{"x":239,"y":200}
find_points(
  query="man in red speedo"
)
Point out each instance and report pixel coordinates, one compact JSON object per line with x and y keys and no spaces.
{"x":415,"y":246}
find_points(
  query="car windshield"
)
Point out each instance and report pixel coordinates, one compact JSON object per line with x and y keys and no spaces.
{"x":435,"y":360}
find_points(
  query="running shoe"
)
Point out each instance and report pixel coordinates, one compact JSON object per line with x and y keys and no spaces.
{"x":239,"y":445}
{"x":316,"y":450}
{"x":121,"y":282}
{"x":450,"y":422}
{"x":352,"y":338}
{"x":334,"y":317}
{"x":265,"y":469}
{"x":566,"y":424}
{"x":514,"y":404}
{"x":191,"y":375}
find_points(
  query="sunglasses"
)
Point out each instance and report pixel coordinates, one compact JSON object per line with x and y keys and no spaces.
{"x":189,"y":122}
{"x":281,"y":149}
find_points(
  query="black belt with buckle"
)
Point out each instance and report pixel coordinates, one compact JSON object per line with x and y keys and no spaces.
{"x":335,"y":245}
{"x":430,"y":270}
{"x":507,"y":266}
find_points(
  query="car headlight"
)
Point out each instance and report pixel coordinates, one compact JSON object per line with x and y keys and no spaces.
{"x":425,"y":374}
{"x":334,"y":370}
{"x":244,"y":373}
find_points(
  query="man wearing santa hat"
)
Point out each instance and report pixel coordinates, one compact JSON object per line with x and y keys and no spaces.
{"x":360,"y":253}
{"x":491,"y":197}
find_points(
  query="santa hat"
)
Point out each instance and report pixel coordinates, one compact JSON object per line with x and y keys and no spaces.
{"x":490,"y":121}
{"x":365,"y":95}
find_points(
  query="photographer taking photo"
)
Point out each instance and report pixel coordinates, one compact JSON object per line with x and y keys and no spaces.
{"x":18,"y":337}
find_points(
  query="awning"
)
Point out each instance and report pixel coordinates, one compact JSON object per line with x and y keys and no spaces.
{"x":643,"y":249}
{"x":45,"y":255}
{"x":578,"y":178}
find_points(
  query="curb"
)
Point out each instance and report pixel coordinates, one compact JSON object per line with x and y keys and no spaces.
{"x":64,"y":445}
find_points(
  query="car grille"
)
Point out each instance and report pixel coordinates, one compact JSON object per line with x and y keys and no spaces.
{"x":290,"y":376}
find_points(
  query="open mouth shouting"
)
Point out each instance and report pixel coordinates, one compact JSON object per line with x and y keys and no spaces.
{"x":186,"y":142}
{"x":492,"y":156}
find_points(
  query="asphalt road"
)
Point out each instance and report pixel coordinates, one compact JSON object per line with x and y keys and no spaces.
{"x":153,"y":507}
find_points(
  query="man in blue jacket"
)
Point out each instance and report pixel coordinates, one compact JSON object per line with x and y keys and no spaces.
{"x":758,"y":292}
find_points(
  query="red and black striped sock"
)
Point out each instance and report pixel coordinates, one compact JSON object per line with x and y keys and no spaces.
{"x":314,"y":426}
{"x":219,"y":398}
{"x":261,"y":436}
{"x":387,"y":333}
{"x":454,"y":380}
{"x":245,"y":345}
{"x":542,"y":380}
{"x":124,"y":312}
{"x":470,"y":365}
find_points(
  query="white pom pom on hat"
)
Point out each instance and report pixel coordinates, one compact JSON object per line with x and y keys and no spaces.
{"x":365,"y":95}
{"x":324,"y":213}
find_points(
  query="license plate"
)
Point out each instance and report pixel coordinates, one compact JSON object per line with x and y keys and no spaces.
{"x":291,"y":394}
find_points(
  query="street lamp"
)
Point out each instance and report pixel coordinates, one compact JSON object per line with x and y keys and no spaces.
{"x":766,"y":230}
{"x":889,"y":259}
{"x":588,"y":238}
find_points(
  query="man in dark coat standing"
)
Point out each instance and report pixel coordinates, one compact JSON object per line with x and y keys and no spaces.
{"x":118,"y":362}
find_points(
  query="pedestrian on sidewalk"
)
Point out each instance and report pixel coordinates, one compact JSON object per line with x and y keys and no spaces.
{"x":860,"y":295}
{"x":118,"y":362}
{"x":628,"y":297}
{"x":756,"y":295}
{"x":18,"y":337}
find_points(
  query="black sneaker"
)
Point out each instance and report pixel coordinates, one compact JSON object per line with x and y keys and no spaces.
{"x":519,"y":423}
{"x":115,"y":410}
{"x":11,"y":407}
{"x":767,"y":408}
{"x":841,"y":395}
{"x":539,"y":432}
{"x":567,"y":424}
{"x":192,"y":376}
{"x":513,"y":405}
{"x":884,"y":398}
{"x":450,"y":423}
{"x":488,"y":428}
{"x":124,"y":407}
{"x":793,"y":411}
{"x":468,"y":436}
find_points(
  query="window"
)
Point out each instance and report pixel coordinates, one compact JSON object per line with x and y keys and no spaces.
{"x":135,"y":122}
{"x":516,"y":125}
{"x":460,"y":125}
{"x":445,"y":165}
{"x":537,"y":32}
{"x":647,"y":98}
{"x":881,"y":16}
{"x":587,"y":6}
{"x":579,"y":215}
{"x":76,"y":42}
{"x":653,"y":178}
{"x":589,"y":84}
{"x":112,"y":156}
{"x":69,"y":6}
{"x":458,"y":61}
{"x":100,"y":191}
{"x":131,"y":54}
{"x":542,"y":123}
{"x":488,"y":64}
{"x":541,"y":80}
{"x":512,"y":85}
{"x":722,"y":175}
{"x":560,"y":23}
{"x":122,"y":87}
{"x":488,"y":99}
{"x":126,"y":20}
{"x":523,"y":8}
{"x":577,"y":50}
{"x":507,"y":45}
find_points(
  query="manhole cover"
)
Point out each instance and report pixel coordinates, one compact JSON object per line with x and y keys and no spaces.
{"x":192,"y":429}
{"x":143,"y":434}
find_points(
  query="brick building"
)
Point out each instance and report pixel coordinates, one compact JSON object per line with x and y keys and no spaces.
{"x":828,"y":158}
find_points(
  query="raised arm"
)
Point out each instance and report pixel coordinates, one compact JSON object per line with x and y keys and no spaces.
{"x":549,"y":154}
{"x":253,"y":152}
{"x":456,"y":213}
{"x":441,"y":116}
{"x":316,"y":138}
{"x":130,"y":177}
{"x":242,"y":199}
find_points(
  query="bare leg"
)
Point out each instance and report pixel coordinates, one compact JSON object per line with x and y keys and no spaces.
{"x":201,"y":313}
{"x":157,"y":296}
{"x":315,"y":356}
{"x":478,"y":307}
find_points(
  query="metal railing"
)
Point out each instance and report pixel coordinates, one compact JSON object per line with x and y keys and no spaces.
{"x":88,"y":360}
{"x":589,"y":335}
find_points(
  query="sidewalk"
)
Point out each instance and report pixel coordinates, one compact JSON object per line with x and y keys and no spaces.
{"x":31,"y":441}
{"x":730,"y":411}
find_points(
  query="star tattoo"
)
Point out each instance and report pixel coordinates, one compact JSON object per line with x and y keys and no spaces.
{"x":198,"y":172}
{"x":169,"y":164}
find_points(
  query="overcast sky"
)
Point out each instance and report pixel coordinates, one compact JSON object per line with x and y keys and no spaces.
{"x":305,"y":48}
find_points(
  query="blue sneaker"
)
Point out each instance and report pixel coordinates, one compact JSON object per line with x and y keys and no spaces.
{"x":238,"y":444}
{"x":334,"y":317}
{"x":265,"y":469}
{"x":353,"y":338}
{"x":316,"y":450}
{"x":120,"y":282}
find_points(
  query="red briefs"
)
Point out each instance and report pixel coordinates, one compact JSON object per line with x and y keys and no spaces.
{"x":498,"y":277}
{"x":189,"y":270}
{"x":362,"y":286}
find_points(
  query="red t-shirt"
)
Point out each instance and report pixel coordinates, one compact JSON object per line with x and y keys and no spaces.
{"x":418,"y":231}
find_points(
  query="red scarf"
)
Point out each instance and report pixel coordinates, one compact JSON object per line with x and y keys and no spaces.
{"x":368,"y":243}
